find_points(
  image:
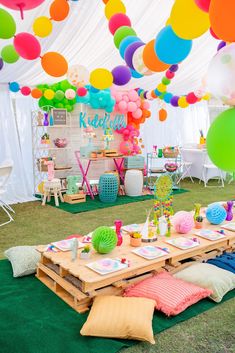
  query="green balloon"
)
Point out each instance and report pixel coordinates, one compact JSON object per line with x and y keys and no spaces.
{"x":59,"y":95}
{"x":166,"y":81}
{"x":220,"y":141}
{"x":104,"y":240}
{"x":9,"y":55}
{"x":64,"y":85}
{"x":59,"y":105}
{"x":7,"y":25}
{"x":122,"y":33}
{"x":43,"y":102}
{"x":68,"y":108}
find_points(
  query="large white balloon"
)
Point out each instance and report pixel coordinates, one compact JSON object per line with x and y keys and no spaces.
{"x":138,"y":64}
{"x":221,"y":75}
{"x":78,"y":75}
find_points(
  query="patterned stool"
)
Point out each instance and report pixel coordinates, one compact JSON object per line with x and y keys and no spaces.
{"x":52,"y":188}
{"x":108,"y":188}
{"x":134,"y":182}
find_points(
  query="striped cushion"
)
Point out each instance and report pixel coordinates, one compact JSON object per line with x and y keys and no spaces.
{"x":172,"y":296}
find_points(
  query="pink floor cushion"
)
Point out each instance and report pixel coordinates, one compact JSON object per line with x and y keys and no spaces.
{"x":172,"y":296}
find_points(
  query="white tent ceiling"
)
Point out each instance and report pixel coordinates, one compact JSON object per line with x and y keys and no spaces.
{"x":83,"y":38}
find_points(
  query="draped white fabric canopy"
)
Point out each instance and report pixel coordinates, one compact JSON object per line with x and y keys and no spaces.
{"x":84,"y":38}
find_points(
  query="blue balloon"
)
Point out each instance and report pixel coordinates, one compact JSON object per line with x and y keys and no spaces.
{"x":167,"y":97}
{"x":14,"y":87}
{"x":135,"y":74}
{"x":94,"y":90}
{"x":170,"y":48}
{"x":126,"y":42}
{"x":109,"y":109}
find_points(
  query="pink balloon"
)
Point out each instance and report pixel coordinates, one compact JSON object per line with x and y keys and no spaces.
{"x":149,"y":96}
{"x":25,"y":91}
{"x":138,"y":103}
{"x":125,"y":98}
{"x":133,"y":96}
{"x":126,"y":132}
{"x":126,"y":148}
{"x":130,"y":127}
{"x":137,"y":114}
{"x":70,"y":93}
{"x":21,"y":5}
{"x":122,"y":106}
{"x":132,"y":107}
{"x":146,"y":105}
{"x":118,"y":97}
{"x":27,"y":46}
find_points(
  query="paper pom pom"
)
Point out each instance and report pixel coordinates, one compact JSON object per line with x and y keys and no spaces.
{"x":216,"y":214}
{"x":183,"y":222}
{"x":104,"y":240}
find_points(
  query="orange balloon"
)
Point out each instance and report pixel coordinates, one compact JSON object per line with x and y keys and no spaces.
{"x":151,"y":60}
{"x":142,"y":120}
{"x":153,"y":95}
{"x":54,"y":64}
{"x":129,"y":118}
{"x":162,"y":114}
{"x":222,"y":19}
{"x":146,"y":113}
{"x":105,"y":1}
{"x":36,"y":93}
{"x":59,"y":10}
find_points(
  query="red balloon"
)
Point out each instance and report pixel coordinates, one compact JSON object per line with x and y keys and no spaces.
{"x":118,"y":20}
{"x":25,"y":91}
{"x":170,"y":74}
{"x":21,"y":5}
{"x":27,"y":46}
{"x":191,"y":98}
{"x":204,"y":5}
{"x":81,"y":91}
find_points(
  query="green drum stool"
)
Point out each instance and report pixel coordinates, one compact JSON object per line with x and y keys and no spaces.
{"x":108,"y":188}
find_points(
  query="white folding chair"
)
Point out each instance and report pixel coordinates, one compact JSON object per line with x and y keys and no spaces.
{"x":5,"y":172}
{"x":208,"y":167}
{"x":185,"y":166}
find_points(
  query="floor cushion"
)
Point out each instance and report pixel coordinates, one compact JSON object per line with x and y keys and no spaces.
{"x":205,"y":275}
{"x":225,"y":261}
{"x":117,"y":317}
{"x":23,"y":260}
{"x":172,"y":296}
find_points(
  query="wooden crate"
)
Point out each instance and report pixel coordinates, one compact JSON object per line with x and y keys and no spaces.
{"x":75,"y":198}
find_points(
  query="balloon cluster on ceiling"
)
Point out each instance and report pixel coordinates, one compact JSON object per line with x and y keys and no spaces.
{"x":26,"y":45}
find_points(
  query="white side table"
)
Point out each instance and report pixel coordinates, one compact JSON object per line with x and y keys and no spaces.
{"x":52,"y":188}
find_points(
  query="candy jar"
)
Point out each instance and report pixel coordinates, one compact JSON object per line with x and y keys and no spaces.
{"x":118,"y":226}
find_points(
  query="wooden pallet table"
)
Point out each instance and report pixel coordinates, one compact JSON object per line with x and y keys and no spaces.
{"x":77,"y":284}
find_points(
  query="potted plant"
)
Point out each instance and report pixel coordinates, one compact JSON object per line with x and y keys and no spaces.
{"x":135,"y":239}
{"x":85,"y":253}
{"x":198,"y":222}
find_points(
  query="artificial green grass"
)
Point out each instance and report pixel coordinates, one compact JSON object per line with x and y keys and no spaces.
{"x":35,"y":320}
{"x":92,"y":205}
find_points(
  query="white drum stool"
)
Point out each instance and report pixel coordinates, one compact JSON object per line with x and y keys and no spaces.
{"x":134,"y":182}
{"x":52,"y":188}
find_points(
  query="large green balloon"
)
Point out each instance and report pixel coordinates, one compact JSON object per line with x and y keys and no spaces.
{"x":122,"y":33}
{"x":59,"y":95}
{"x":7,"y":25}
{"x":220,"y":141}
{"x":64,"y":85}
{"x":104,"y":240}
{"x":9,"y":55}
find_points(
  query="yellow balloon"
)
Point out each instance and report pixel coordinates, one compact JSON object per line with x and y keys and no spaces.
{"x":207,"y":97}
{"x":187,"y":20}
{"x":113,"y":7}
{"x":182,"y":103}
{"x":168,"y":22}
{"x":42,"y":26}
{"x":161,"y":87}
{"x":49,"y":94}
{"x":101,"y":78}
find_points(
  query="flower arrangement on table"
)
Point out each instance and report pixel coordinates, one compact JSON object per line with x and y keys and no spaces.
{"x":85,"y":253}
{"x":198,"y":222}
{"x":135,"y":239}
{"x":45,"y":139}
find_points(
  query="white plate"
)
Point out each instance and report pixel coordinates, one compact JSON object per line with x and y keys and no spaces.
{"x":149,"y":252}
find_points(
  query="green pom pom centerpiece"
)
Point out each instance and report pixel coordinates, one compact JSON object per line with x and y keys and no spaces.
{"x":104,"y":240}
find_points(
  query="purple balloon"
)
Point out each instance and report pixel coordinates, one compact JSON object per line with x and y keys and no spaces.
{"x":121,"y":75}
{"x":130,"y":52}
{"x":145,"y":94}
{"x":1,"y":63}
{"x":174,"y":101}
{"x":174,"y":68}
{"x":221,"y":45}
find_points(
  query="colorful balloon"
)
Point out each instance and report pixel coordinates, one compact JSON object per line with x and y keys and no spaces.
{"x":222,"y":19}
{"x":151,"y":60}
{"x":121,"y":75}
{"x":9,"y":55}
{"x":25,"y":90}
{"x":36,"y":93}
{"x":220,"y":141}
{"x":70,"y":94}
{"x":78,"y":75}
{"x":59,"y":95}
{"x":162,"y":115}
{"x":171,"y":49}
{"x":54,"y":64}
{"x":125,"y":43}
{"x":27,"y":46}
{"x":122,"y":33}
{"x":129,"y":53}
{"x":21,"y":5}
{"x":204,"y":5}
{"x":113,"y":7}
{"x":42,"y":26}
{"x":182,"y":102}
{"x":81,"y":91}
{"x":14,"y":86}
{"x":49,"y":94}
{"x":191,"y":98}
{"x":7,"y":25}
{"x":1,"y":64}
{"x":187,"y":20}
{"x":118,"y":20}
{"x":59,"y":10}
{"x":101,"y":78}
{"x":138,"y":64}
